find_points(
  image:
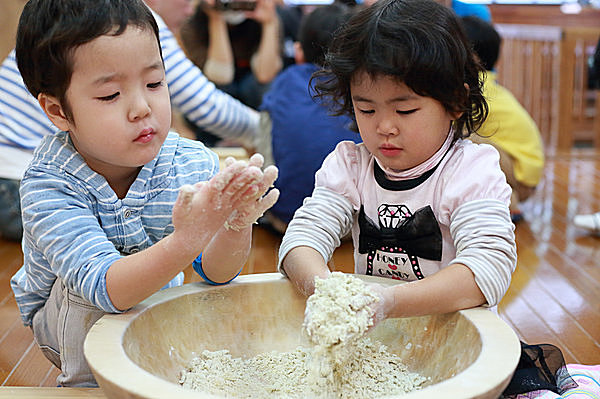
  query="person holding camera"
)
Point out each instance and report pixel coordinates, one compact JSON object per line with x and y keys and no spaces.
{"x":237,"y":43}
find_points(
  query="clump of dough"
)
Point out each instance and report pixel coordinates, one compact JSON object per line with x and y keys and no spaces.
{"x":339,"y":311}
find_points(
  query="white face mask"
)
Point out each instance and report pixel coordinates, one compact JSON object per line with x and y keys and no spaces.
{"x":233,"y":17}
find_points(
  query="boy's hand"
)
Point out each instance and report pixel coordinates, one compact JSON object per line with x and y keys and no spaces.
{"x":251,"y":207}
{"x":202,"y":209}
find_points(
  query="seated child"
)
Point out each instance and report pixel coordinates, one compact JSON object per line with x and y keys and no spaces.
{"x":508,"y":127}
{"x":23,"y":123}
{"x":114,"y":206}
{"x":423,"y":204}
{"x":298,"y":131}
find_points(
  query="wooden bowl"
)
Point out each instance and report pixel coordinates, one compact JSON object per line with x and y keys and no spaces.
{"x":139,"y":354}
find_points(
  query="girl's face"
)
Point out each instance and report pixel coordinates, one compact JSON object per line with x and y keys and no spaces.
{"x":400,"y":128}
{"x":119,"y":100}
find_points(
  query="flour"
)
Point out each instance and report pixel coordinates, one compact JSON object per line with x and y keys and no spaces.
{"x":340,"y":362}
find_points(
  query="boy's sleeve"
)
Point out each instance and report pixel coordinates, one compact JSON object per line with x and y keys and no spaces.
{"x":65,"y":241}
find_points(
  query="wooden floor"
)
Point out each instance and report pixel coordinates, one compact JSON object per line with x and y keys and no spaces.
{"x":554,"y":297}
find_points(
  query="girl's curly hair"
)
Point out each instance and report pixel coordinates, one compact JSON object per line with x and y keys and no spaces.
{"x":419,"y":42}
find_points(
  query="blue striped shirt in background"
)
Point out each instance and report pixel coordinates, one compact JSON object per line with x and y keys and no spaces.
{"x":75,"y":227}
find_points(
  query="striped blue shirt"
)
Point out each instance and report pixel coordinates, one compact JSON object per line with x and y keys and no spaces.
{"x":75,"y":227}
{"x":23,"y":123}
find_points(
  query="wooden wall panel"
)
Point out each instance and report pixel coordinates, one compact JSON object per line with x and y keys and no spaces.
{"x":9,"y":16}
{"x":536,"y":14}
{"x":546,"y":68}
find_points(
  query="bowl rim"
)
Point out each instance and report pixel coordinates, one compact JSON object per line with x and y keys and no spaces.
{"x":111,"y":366}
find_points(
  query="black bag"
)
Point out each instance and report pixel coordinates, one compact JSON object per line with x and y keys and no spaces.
{"x":541,"y":367}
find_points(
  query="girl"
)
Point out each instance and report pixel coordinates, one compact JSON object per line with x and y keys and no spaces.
{"x":423,"y":204}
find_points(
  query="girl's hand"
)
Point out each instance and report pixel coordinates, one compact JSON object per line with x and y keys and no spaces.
{"x":340,"y":311}
{"x":383,"y":307}
{"x":251,"y":207}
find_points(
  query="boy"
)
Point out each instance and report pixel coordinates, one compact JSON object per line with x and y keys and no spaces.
{"x":297,"y":129}
{"x":107,"y":185}
{"x":23,"y":123}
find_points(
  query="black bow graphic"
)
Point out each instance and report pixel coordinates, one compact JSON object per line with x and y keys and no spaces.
{"x":418,"y":235}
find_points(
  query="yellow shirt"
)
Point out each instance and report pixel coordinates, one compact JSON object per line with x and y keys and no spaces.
{"x":512,"y":129}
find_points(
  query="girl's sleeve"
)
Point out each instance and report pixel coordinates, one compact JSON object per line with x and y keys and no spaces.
{"x":484,"y":238}
{"x":473,"y":173}
{"x":475,"y":202}
{"x":199,"y":100}
{"x":342,"y":171}
{"x":320,"y":223}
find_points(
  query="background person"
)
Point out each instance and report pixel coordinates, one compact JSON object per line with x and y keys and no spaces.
{"x":508,"y":127}
{"x":240,"y":51}
{"x":591,"y":222}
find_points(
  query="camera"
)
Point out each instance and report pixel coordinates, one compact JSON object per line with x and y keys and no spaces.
{"x":235,"y":5}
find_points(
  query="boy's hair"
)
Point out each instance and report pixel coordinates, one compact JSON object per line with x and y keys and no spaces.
{"x":50,"y":30}
{"x":317,"y":29}
{"x":422,"y":44}
{"x":484,"y":39}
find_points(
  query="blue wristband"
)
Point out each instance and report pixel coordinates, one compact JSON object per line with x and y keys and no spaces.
{"x":197,"y":265}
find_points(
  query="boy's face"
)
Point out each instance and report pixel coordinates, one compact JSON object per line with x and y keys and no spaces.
{"x":119,"y":101}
